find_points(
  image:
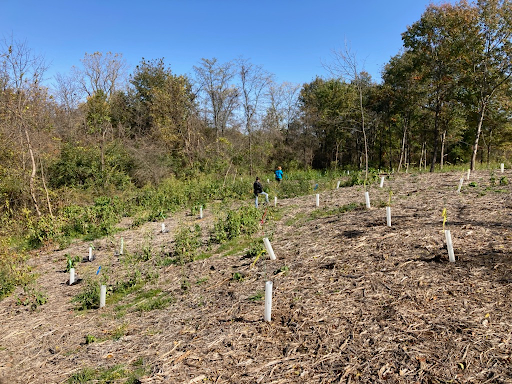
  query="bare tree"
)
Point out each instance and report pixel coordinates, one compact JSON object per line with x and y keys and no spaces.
{"x":346,"y":66}
{"x":22,"y":99}
{"x":254,"y":82}
{"x":104,"y":72}
{"x":218,"y":92}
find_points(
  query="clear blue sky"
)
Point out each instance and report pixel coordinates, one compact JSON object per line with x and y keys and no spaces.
{"x":289,"y":38}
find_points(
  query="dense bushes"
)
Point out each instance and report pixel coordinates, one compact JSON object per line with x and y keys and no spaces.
{"x":80,"y":166}
{"x":154,"y":203}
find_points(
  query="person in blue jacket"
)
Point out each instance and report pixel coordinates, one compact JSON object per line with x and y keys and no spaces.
{"x":279,"y":174}
{"x":258,"y":190}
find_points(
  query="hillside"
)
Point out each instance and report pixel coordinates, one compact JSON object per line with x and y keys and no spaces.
{"x":354,"y":300}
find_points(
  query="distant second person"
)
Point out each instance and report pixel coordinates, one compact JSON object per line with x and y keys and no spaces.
{"x":279,"y":174}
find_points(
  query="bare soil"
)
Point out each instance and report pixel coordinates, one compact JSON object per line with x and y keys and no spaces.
{"x":354,"y":301}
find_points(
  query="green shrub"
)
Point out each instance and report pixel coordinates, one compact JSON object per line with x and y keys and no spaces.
{"x":187,"y":243}
{"x":13,"y":270}
{"x":244,"y":221}
{"x":89,"y":297}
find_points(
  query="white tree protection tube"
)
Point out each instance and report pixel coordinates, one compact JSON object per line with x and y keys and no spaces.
{"x":367,"y":199}
{"x":72,"y":276}
{"x":201,"y":212}
{"x":449,"y":245}
{"x":317,"y":200}
{"x":268,"y":301}
{"x":460,"y":184}
{"x":269,"y":249}
{"x":381,"y":181}
{"x":388,"y":216}
{"x":103,"y":295}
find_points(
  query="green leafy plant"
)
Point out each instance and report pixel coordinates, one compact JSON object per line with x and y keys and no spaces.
{"x":89,"y":296}
{"x":238,"y":276}
{"x":71,"y":261}
{"x":89,"y":339}
{"x":257,"y":296}
{"x":187,"y":242}
{"x":284,"y":269}
{"x":243,"y":221}
{"x":32,"y":296}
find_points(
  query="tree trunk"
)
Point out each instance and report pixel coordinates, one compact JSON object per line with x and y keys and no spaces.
{"x":32,"y":174}
{"x":48,"y":202}
{"x":402,"y":151}
{"x":436,"y":137}
{"x":477,"y":136}
{"x":443,"y":138}
{"x":364,"y":133}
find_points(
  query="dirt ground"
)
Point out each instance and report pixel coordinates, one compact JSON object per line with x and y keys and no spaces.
{"x":354,"y":301}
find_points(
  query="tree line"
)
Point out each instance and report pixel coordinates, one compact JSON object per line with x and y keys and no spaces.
{"x":443,"y":99}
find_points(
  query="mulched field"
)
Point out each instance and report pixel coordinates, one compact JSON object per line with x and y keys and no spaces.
{"x":354,"y":301}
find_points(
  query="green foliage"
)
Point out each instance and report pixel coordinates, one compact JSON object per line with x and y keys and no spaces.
{"x":79,"y":166}
{"x":187,"y":243}
{"x":114,"y":374}
{"x":492,"y":179}
{"x":101,"y":376}
{"x":89,"y":339}
{"x":258,"y":296}
{"x":13,"y":270}
{"x":238,"y":276}
{"x":71,"y":261}
{"x":244,"y":221}
{"x":358,"y":178}
{"x":154,"y":299}
{"x":504,"y":180}
{"x":83,"y":376}
{"x":89,"y":296}
{"x":256,"y":248}
{"x":284,"y":269}
{"x":32,"y":296}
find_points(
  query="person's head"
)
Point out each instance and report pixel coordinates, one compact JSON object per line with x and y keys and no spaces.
{"x":257,"y":179}
{"x":279,"y":168}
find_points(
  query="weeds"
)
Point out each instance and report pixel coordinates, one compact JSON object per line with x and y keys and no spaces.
{"x":32,"y":296}
{"x":89,"y":297}
{"x":187,"y":243}
{"x":257,"y":296}
{"x":71,"y":261}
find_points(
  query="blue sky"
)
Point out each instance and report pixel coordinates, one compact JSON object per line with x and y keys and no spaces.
{"x":290,"y":39}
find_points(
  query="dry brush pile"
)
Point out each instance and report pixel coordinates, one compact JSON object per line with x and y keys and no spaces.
{"x":354,"y":300}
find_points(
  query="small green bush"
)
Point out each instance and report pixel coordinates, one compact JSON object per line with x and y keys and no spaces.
{"x":89,"y":297}
{"x":187,"y":243}
{"x":244,"y":221}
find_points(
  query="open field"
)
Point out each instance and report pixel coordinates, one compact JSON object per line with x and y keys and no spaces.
{"x":354,"y":300}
